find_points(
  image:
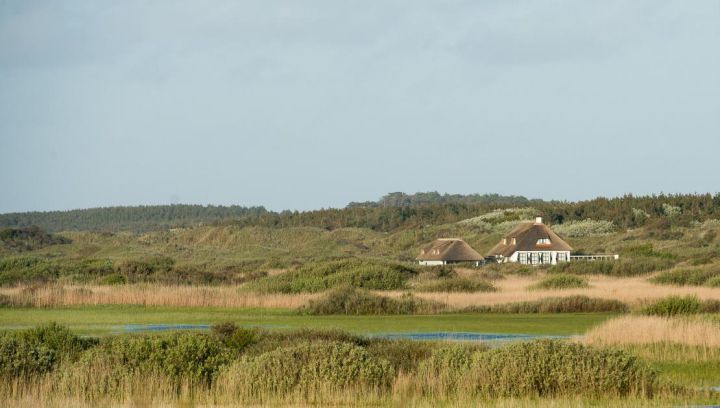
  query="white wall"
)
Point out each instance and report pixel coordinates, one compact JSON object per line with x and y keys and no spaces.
{"x":515,"y":257}
{"x":432,"y":263}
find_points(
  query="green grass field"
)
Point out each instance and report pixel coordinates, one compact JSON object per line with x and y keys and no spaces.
{"x":102,"y":320}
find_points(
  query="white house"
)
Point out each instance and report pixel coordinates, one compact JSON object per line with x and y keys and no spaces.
{"x":445,"y":251}
{"x":533,"y":244}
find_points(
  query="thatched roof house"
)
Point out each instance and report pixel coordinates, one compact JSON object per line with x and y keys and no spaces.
{"x":531,"y":243}
{"x":444,"y":251}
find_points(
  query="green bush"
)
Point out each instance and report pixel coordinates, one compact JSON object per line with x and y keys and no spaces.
{"x":233,"y":336}
{"x":318,"y":276}
{"x":560,"y":281}
{"x":456,"y":284}
{"x":623,"y":267}
{"x":677,"y":305}
{"x":687,"y":276}
{"x":713,"y":282}
{"x":350,"y":301}
{"x":306,"y":368}
{"x":139,"y":270}
{"x":403,"y":355}
{"x":547,"y":368}
{"x":112,"y":279}
{"x":569,"y":304}
{"x":108,"y":368}
{"x":446,"y":366}
{"x":585,"y":228}
{"x":39,"y":350}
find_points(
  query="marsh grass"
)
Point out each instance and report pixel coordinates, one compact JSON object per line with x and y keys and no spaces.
{"x":560,"y":281}
{"x":351,"y":301}
{"x":455,"y":284}
{"x":692,"y":276}
{"x":677,"y":305}
{"x":568,"y":304}
{"x":641,"y":330}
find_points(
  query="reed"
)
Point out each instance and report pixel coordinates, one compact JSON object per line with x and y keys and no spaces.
{"x":640,"y":330}
{"x":148,"y":295}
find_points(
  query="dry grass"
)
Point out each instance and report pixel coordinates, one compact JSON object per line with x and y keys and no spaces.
{"x":633,"y":291}
{"x":639,"y":330}
{"x":150,"y":295}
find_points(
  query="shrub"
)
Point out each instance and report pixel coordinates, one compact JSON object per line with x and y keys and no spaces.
{"x":316,"y":277}
{"x":350,"y":301}
{"x":440,"y":373}
{"x":560,"y":281}
{"x":108,"y":368}
{"x":585,"y":228}
{"x":39,"y":350}
{"x":569,"y":304}
{"x":687,"y":276}
{"x":457,"y":284}
{"x":28,"y":239}
{"x":403,"y":355}
{"x":552,"y":368}
{"x":307,"y":368}
{"x":138,"y":270}
{"x":713,"y":282}
{"x":112,"y":279}
{"x":677,"y":305}
{"x":624,"y":267}
{"x":234,"y":337}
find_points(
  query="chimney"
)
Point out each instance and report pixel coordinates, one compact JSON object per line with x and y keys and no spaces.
{"x":538,"y":220}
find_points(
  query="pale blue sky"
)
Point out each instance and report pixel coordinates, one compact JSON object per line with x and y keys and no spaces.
{"x":309,"y":104}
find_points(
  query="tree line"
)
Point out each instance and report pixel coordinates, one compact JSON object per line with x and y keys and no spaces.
{"x":393,"y":211}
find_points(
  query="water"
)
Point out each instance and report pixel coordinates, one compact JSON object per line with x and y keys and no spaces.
{"x":434,"y":336}
{"x":465,"y":336}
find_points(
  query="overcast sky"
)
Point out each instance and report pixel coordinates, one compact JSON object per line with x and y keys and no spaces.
{"x":309,"y":104}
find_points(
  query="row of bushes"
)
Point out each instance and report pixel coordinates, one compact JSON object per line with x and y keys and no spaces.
{"x":567,"y":304}
{"x":624,"y":267}
{"x":351,"y":301}
{"x":156,"y":269}
{"x":681,"y":305}
{"x":691,"y":276}
{"x":268,"y":365}
{"x":319,"y":276}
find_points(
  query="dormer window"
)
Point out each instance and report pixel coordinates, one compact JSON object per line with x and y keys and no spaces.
{"x":504,"y":241}
{"x":514,"y":241}
{"x":543,"y":241}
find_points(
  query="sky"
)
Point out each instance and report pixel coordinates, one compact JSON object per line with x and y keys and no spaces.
{"x":313,"y":104}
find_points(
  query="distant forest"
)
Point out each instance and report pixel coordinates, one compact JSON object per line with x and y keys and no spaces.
{"x":138,"y":219}
{"x":393,"y":211}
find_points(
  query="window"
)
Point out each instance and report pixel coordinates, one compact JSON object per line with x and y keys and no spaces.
{"x":535,"y":258}
{"x":543,"y":241}
{"x":523,"y":258}
{"x":562,"y":257}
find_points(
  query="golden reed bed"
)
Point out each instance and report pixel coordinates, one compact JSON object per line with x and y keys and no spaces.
{"x":632,"y":291}
{"x":642,"y":330}
{"x":151,"y":295}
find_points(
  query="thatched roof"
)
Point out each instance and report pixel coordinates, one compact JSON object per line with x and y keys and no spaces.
{"x":525,"y":237}
{"x":448,"y":249}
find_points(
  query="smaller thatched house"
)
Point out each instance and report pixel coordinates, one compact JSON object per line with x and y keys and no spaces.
{"x":445,"y":251}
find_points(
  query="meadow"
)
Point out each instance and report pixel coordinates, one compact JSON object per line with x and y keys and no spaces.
{"x":261,"y":301}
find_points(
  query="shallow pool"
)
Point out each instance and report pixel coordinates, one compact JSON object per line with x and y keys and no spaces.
{"x":427,"y":336}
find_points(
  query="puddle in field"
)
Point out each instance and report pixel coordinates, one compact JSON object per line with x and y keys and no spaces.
{"x":436,"y":336}
{"x":132,"y":328}
{"x":465,"y":336}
